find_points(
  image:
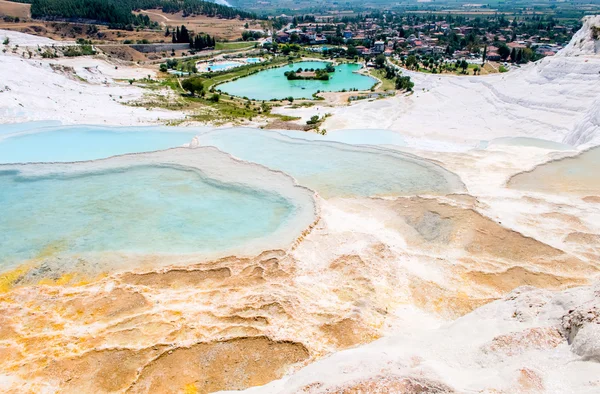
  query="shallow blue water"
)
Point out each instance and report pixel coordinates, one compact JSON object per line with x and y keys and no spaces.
{"x":273,"y":84}
{"x":77,"y":143}
{"x":532,"y":142}
{"x":334,"y":169}
{"x":354,"y":137}
{"x":144,"y":209}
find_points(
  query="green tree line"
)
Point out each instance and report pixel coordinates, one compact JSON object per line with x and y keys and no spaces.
{"x":118,"y":13}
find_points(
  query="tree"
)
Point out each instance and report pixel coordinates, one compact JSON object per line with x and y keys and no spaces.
{"x":513,"y":55}
{"x":527,"y":55}
{"x":163,"y":68}
{"x":184,"y":35}
{"x":519,"y":58}
{"x":380,"y":61}
{"x":412,"y":62}
{"x":483,"y":57}
{"x":503,"y":51}
{"x":351,"y":52}
{"x":464,"y":65}
{"x":475,"y":70}
{"x":404,"y":83}
{"x":193,"y":85}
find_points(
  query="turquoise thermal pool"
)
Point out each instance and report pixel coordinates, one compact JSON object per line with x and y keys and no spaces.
{"x":148,"y":204}
{"x":335,"y":169}
{"x":273,"y":84}
{"x":176,"y":203}
{"x":23,"y":144}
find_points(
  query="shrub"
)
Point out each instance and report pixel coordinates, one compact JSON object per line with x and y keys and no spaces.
{"x":404,"y":83}
{"x":193,"y":85}
{"x":313,"y":120}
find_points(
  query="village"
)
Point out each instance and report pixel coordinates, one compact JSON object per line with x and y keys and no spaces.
{"x":445,"y":37}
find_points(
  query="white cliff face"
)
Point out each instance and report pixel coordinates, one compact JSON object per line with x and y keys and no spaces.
{"x":586,"y":131}
{"x":586,"y":42}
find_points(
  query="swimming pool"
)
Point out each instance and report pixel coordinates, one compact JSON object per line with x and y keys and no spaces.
{"x":221,"y":66}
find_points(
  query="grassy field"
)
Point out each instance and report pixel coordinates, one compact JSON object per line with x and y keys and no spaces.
{"x":387,"y":84}
{"x":14,"y":9}
{"x":234,"y":45}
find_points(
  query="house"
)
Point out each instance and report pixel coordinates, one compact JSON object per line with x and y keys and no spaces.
{"x":282,"y":37}
{"x":493,"y":56}
{"x":439,"y":50}
{"x":516,"y":44}
{"x":388,"y":52}
{"x":378,"y":47}
{"x":363,"y":50}
{"x":319,"y":39}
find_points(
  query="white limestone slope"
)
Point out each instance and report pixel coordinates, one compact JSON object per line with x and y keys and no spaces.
{"x":555,"y":99}
{"x":71,"y":90}
{"x":24,"y":39}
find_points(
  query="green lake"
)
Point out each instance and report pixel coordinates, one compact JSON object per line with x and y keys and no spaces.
{"x":273,"y":84}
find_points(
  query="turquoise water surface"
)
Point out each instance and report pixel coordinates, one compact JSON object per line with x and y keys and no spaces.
{"x":335,"y":169}
{"x":143,"y":209}
{"x":76,"y":143}
{"x":272,"y":83}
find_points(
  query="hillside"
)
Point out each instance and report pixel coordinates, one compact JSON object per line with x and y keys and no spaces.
{"x":119,"y":12}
